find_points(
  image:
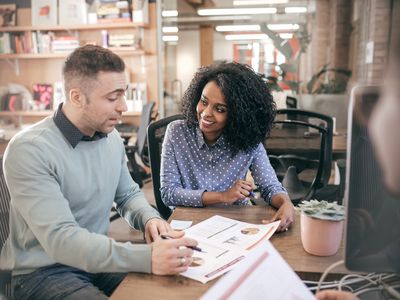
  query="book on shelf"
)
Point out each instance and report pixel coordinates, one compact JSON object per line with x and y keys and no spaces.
{"x":8,"y":14}
{"x":16,"y":43}
{"x":5,"y":45}
{"x":118,"y":40}
{"x":42,"y":96}
{"x":64,"y":44}
{"x":44,"y":42}
{"x":71,"y":12}
{"x":113,"y":11}
{"x":44,"y":12}
{"x":114,"y":20}
{"x":28,"y":42}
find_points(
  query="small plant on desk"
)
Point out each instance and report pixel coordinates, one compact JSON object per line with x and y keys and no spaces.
{"x":321,"y":226}
{"x":322,"y":210}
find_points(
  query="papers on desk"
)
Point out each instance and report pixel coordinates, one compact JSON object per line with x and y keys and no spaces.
{"x":224,"y":243}
{"x":264,"y":274}
{"x":180,"y":224}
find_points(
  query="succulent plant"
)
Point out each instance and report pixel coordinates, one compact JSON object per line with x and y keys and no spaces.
{"x":323,"y":210}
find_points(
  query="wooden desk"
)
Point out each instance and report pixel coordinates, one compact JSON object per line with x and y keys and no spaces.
{"x":146,"y":286}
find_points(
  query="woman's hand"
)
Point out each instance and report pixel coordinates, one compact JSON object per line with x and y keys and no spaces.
{"x":240,"y":190}
{"x":285,"y":211}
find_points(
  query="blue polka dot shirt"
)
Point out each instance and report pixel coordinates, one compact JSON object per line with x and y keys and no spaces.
{"x":189,"y":167}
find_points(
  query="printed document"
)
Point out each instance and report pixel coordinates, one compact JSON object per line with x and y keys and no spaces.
{"x":264,"y":274}
{"x":224,"y":242}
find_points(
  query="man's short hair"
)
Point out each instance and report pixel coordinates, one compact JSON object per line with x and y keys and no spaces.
{"x":83,"y":65}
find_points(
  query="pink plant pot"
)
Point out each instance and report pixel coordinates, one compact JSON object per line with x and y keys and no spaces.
{"x":320,"y":237}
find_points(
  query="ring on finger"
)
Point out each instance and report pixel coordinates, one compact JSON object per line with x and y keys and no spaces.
{"x":182,"y":261}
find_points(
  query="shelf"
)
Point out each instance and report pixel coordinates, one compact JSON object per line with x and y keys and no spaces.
{"x":122,"y":52}
{"x":45,"y":113}
{"x":97,"y":26}
{"x":132,"y":114}
{"x":28,"y":113}
{"x":26,"y":69}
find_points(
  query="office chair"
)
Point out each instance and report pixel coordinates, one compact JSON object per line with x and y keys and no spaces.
{"x":155,"y":137}
{"x":5,"y":275}
{"x":302,"y":143}
{"x":334,"y":192}
{"x":137,"y":172}
{"x":140,"y":148}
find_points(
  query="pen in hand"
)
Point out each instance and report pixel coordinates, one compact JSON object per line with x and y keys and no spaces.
{"x":195,"y":248}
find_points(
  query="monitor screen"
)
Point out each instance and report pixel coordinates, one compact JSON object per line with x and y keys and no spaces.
{"x":373,"y":214}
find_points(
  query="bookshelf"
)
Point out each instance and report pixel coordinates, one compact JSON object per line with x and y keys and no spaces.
{"x":45,"y":113}
{"x":97,"y":26}
{"x":26,"y":117}
{"x":29,"y":68}
{"x":121,"y":52}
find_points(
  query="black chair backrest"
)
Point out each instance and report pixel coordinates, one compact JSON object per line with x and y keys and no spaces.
{"x":4,"y":206}
{"x":313,"y":129}
{"x":5,"y":279}
{"x":155,"y":137}
{"x":145,"y":120}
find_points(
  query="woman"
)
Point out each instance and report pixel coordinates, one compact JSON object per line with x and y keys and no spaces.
{"x":228,"y":113}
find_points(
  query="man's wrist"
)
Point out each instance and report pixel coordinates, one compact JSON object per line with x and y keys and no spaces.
{"x":148,"y":220}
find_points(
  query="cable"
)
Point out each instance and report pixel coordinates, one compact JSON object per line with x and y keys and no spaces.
{"x":391,"y":290}
{"x":353,"y":275}
{"x":326,"y":272}
{"x":363,"y":291}
{"x":360,"y":284}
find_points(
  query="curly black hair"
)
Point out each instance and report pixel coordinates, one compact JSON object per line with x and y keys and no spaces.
{"x":251,"y":108}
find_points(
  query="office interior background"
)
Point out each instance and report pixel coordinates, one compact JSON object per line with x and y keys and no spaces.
{"x":312,"y":50}
{"x":289,"y":41}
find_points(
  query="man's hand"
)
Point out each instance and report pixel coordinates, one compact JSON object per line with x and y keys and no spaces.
{"x":285,"y":211}
{"x":155,"y":227}
{"x":335,"y":295}
{"x":240,"y":190}
{"x":171,"y":256}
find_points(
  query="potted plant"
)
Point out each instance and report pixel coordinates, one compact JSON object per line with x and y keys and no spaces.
{"x":321,"y":226}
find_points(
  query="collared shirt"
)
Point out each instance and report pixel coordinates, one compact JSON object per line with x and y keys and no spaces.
{"x":189,"y":167}
{"x":61,"y":199}
{"x":70,"y":131}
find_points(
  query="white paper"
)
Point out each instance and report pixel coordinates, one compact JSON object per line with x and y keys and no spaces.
{"x":180,"y":224}
{"x":264,"y":274}
{"x":224,"y":243}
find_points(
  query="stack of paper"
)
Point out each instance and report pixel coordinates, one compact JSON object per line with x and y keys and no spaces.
{"x":224,"y":242}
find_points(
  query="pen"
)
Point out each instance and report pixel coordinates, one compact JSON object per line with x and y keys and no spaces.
{"x":251,"y":194}
{"x":167,"y":237}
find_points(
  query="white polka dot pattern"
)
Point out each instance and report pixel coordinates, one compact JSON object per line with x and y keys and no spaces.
{"x":190,"y":167}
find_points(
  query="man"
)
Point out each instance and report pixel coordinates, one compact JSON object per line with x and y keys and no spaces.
{"x":63,"y":174}
{"x":383,"y":128}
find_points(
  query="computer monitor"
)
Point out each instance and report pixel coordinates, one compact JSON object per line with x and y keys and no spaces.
{"x":373,"y":214}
